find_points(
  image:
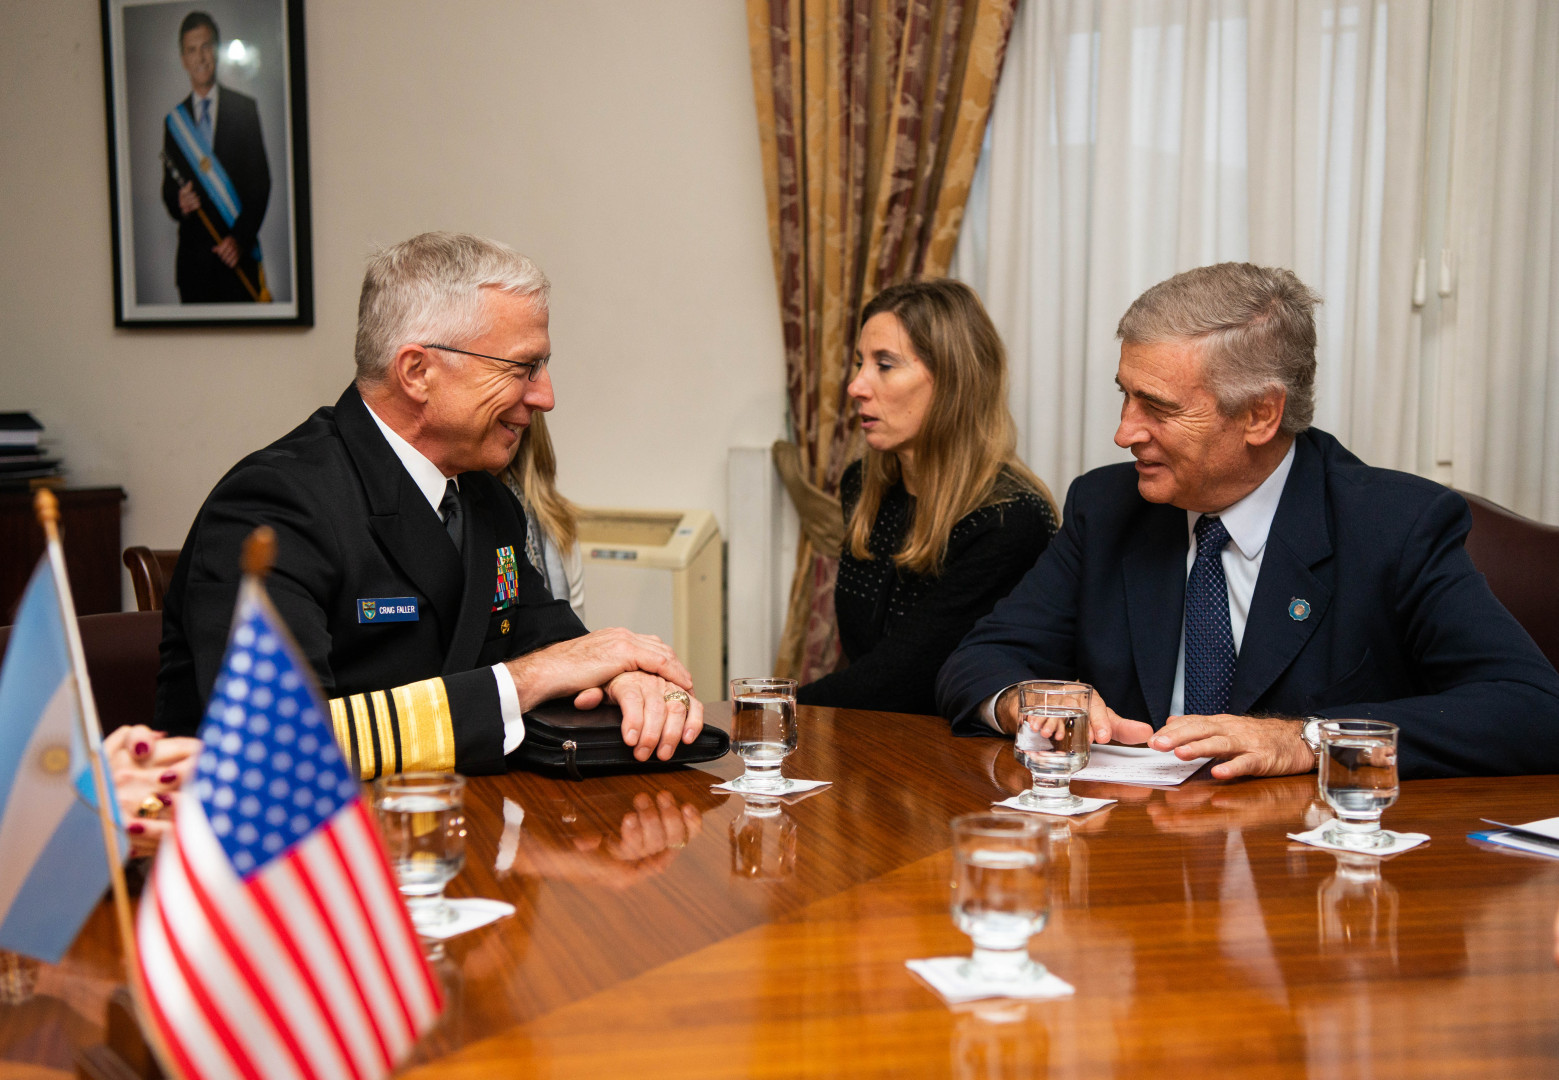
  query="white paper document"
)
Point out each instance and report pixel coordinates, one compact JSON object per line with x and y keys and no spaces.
{"x":1535,"y":837}
{"x":1137,"y":765}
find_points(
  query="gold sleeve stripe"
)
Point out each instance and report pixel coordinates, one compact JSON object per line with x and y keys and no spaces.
{"x":344,"y":734}
{"x":426,"y":728}
{"x":363,"y":724}
{"x":406,"y":729}
{"x":387,"y":740}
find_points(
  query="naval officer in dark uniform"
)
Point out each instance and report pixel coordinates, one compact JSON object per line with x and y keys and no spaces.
{"x":401,"y":566}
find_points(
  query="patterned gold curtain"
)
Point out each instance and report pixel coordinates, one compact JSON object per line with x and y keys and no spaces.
{"x":871,"y":114}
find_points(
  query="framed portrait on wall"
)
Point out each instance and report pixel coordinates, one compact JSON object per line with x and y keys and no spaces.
{"x":208,"y":162}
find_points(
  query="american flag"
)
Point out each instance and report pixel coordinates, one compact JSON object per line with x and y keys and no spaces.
{"x":273,"y":941}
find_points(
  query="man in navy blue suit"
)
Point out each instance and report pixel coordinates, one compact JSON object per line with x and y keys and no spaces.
{"x":1247,"y":576}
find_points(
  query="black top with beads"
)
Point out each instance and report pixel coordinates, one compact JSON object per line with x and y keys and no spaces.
{"x":897,"y":627}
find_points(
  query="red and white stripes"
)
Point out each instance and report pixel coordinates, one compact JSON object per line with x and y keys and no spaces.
{"x":309,"y":969}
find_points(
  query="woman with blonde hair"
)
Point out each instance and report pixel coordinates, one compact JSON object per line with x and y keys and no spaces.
{"x":941,"y":518}
{"x":551,"y":521}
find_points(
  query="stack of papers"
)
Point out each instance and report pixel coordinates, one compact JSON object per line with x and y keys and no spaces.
{"x":1535,"y":837}
{"x":1138,"y":765}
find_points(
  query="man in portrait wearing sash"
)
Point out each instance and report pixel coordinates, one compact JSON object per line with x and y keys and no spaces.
{"x":216,"y":180}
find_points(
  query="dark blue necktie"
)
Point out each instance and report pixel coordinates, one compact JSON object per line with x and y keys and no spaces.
{"x":454,"y":517}
{"x":1209,"y":640}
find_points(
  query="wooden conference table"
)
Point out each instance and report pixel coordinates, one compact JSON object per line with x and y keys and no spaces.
{"x":664,"y":930}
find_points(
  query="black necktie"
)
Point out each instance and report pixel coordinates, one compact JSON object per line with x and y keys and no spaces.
{"x":454,"y":518}
{"x":1209,"y":640}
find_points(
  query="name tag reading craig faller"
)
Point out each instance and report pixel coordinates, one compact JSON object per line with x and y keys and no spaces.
{"x":387,"y":609}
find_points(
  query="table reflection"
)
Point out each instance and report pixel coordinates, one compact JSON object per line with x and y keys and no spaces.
{"x":1209,"y":808}
{"x":999,"y":1040}
{"x":1356,"y":916}
{"x":613,"y":847}
{"x":763,"y":840}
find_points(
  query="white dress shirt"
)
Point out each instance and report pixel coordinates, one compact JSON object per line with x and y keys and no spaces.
{"x":431,"y":482}
{"x":1248,"y":521}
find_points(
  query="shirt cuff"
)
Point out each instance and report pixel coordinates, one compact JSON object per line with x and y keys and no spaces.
{"x":988,"y":710}
{"x":509,"y":708}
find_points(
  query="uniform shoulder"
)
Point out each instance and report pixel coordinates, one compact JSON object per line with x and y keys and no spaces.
{"x":313,"y":445}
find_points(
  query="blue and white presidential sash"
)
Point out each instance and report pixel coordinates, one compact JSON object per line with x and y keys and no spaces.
{"x":188,"y":137}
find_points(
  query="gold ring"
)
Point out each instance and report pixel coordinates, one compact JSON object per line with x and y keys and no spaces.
{"x":151,"y":806}
{"x":678,"y":695}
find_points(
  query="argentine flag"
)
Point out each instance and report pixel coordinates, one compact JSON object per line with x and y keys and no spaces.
{"x":52,"y":866}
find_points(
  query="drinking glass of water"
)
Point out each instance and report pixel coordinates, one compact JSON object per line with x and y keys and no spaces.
{"x":423,"y":819}
{"x":1052,"y":740}
{"x":1000,"y":893}
{"x":763,"y":732}
{"x":1358,"y":778}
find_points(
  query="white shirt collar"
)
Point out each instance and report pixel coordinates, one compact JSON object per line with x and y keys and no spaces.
{"x":426,"y":475}
{"x":1249,"y":521}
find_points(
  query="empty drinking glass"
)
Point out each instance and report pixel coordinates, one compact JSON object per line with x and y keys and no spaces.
{"x":763,"y":732}
{"x":1052,"y":740}
{"x":1000,"y":893}
{"x":1358,"y":779}
{"x":423,"y":819}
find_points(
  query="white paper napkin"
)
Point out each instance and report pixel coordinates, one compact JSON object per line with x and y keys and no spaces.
{"x":797,"y":789}
{"x":1400,"y":841}
{"x":943,"y":974}
{"x":471,"y":913}
{"x":1087,"y":806}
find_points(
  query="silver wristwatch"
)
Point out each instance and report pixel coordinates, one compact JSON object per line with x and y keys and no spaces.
{"x":1311,"y":734}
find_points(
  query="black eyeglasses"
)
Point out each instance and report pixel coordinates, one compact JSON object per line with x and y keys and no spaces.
{"x":532,"y":367}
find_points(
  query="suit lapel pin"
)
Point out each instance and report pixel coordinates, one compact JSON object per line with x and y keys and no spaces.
{"x":1298,"y":610}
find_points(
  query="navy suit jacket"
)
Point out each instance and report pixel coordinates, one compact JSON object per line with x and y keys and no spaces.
{"x":1401,"y":626}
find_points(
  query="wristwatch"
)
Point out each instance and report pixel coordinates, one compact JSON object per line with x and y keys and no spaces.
{"x":1311,"y":734}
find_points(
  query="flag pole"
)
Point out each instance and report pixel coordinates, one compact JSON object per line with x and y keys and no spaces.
{"x":47,"y":508}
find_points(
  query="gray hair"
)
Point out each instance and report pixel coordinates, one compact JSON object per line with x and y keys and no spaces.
{"x":1257,"y":326}
{"x":429,"y":289}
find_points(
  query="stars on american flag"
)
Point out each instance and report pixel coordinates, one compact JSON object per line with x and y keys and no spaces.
{"x":271,"y":771}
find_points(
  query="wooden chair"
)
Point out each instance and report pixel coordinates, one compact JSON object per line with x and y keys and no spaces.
{"x":121,"y":648}
{"x":150,"y":572}
{"x":1520,"y":559}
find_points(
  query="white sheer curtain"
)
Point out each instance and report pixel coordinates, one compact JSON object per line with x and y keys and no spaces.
{"x":1116,"y":156}
{"x":1132,"y":139}
{"x":1500,"y":330}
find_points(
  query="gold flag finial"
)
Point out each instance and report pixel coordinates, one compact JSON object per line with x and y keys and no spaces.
{"x":47,"y":507}
{"x":260,"y":551}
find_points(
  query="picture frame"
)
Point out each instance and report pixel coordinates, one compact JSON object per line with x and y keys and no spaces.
{"x":208,"y":162}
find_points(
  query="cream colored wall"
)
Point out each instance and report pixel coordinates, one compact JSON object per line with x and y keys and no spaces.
{"x":613,"y":141}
